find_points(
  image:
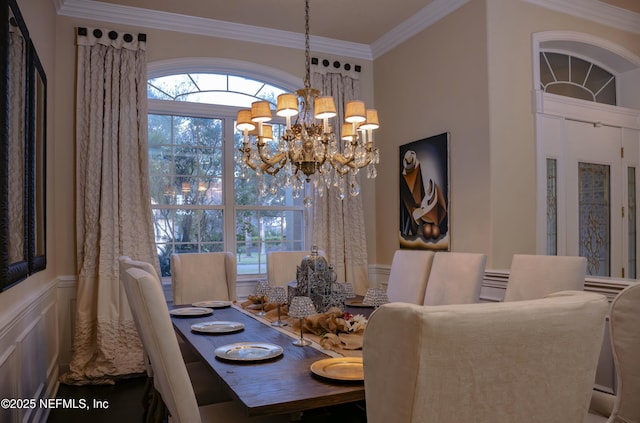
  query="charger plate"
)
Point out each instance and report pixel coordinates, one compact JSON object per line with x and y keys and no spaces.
{"x":190,"y":311}
{"x":248,"y":351}
{"x":217,"y":327}
{"x":340,"y":368}
{"x":212,"y":304}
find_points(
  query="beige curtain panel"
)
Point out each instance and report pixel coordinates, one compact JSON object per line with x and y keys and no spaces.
{"x":338,"y":225}
{"x":113,"y":213}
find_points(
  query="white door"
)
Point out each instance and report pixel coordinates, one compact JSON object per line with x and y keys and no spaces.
{"x":594,"y":196}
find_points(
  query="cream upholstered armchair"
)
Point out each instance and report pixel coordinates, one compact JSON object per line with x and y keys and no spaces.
{"x":152,"y":320}
{"x":282,"y":266}
{"x":409,"y":273}
{"x":455,"y":278}
{"x":526,"y":362}
{"x":536,"y":276}
{"x":203,"y":276}
{"x":624,"y":321}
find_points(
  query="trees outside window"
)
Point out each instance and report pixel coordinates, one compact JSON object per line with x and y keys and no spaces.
{"x":201,"y":199}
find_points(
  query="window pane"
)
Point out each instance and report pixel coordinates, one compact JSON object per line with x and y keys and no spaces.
{"x":631,"y":219}
{"x":570,"y":76}
{"x":595,"y":222}
{"x":552,"y":207}
{"x":186,"y":157}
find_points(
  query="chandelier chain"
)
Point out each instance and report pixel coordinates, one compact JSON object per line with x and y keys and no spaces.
{"x":307,"y":48}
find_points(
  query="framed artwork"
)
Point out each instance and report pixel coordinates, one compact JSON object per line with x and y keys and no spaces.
{"x":424,"y":194}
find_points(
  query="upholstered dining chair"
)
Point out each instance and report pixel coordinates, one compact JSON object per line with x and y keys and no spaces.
{"x":455,"y":278}
{"x":282,"y":265}
{"x":204,"y":380}
{"x":203,"y":276}
{"x":536,"y":276}
{"x":485,"y":362}
{"x":409,"y":274}
{"x":152,"y":320}
{"x":624,"y":324}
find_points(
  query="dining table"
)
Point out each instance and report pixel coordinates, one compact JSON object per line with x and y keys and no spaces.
{"x":283,"y":384}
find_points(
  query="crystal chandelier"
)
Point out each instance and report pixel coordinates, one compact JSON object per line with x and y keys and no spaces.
{"x":308,"y":150}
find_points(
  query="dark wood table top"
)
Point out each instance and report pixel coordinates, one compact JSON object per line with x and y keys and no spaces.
{"x":281,"y":385}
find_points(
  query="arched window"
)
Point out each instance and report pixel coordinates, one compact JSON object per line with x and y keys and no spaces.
{"x":571,"y":76}
{"x":201,"y":202}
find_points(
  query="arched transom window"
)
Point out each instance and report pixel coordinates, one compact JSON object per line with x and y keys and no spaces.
{"x":571,"y":76}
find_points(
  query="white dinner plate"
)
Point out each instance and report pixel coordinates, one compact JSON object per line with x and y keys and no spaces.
{"x":190,"y":311}
{"x":212,"y":304}
{"x":217,"y":327}
{"x":341,"y":368}
{"x":248,"y":351}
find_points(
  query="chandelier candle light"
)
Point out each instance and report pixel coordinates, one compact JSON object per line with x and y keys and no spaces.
{"x":309,"y":150}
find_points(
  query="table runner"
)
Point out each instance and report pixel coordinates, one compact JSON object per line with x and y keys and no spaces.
{"x":335,"y":345}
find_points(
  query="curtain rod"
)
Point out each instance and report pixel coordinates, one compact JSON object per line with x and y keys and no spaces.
{"x":113,"y":35}
{"x":336,"y":64}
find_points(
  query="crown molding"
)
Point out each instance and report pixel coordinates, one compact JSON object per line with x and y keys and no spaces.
{"x":146,"y":18}
{"x":595,"y":11}
{"x":426,"y":17}
{"x":592,"y":10}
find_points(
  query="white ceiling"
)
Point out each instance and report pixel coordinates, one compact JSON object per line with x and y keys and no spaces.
{"x":357,"y":28}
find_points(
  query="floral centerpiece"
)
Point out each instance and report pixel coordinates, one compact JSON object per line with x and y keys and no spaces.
{"x":337,"y":329}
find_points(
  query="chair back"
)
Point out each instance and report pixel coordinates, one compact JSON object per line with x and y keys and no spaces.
{"x":455,"y":278}
{"x":526,"y":361}
{"x":203,"y":276}
{"x":536,"y":276}
{"x":127,"y":263}
{"x":625,"y":339}
{"x":409,"y":274}
{"x":152,"y":320}
{"x":282,"y":266}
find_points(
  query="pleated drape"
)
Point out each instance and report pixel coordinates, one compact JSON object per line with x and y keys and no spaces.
{"x":113,"y":212}
{"x":338,"y":224}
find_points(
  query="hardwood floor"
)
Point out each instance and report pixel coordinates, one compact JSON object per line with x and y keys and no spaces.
{"x":122,"y":403}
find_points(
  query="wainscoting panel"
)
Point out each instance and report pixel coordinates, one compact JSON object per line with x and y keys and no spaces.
{"x":29,"y":356}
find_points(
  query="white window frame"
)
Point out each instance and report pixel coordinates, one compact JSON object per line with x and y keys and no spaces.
{"x":250,"y":70}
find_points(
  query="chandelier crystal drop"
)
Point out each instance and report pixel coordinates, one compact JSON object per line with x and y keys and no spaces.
{"x":309,"y":150}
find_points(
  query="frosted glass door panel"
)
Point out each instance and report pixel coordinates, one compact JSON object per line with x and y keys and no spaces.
{"x":594,"y":197}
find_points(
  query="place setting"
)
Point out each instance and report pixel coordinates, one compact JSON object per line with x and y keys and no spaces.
{"x":191,"y":311}
{"x":248,"y":351}
{"x":217,"y":327}
{"x":213,"y":304}
{"x":340,"y":369}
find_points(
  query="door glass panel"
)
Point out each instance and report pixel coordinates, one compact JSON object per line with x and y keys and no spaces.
{"x":631,"y":218}
{"x":594,"y":217}
{"x":552,"y":207}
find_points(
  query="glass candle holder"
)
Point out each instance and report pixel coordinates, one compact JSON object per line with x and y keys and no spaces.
{"x":348,"y":289}
{"x":301,"y":307}
{"x":262,"y":291}
{"x":375,"y":297}
{"x":278,"y":295}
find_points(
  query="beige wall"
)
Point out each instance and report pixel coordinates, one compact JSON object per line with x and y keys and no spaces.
{"x":473,"y":78}
{"x":513,"y":191}
{"x":437,"y":82}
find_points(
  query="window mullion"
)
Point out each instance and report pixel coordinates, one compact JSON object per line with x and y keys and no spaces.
{"x":228,"y":183}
